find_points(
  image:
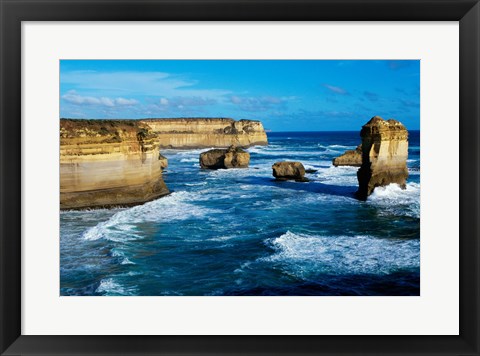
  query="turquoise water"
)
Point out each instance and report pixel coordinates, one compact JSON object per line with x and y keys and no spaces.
{"x":238,"y":232}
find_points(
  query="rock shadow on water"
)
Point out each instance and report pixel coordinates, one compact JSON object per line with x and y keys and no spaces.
{"x":311,"y":186}
{"x":401,"y":283}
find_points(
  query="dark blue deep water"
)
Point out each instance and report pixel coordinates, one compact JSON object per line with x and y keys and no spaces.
{"x":237,"y":232}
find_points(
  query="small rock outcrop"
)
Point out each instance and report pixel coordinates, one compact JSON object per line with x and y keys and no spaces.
{"x":289,"y":170}
{"x":350,"y":158}
{"x":233,"y":157}
{"x":384,"y":155}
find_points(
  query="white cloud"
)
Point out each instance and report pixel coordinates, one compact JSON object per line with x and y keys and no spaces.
{"x":150,"y":84}
{"x":107,"y":102}
{"x":336,"y":90}
{"x":186,"y":101}
{"x":74,"y":98}
{"x":236,"y":99}
{"x":261,"y":103}
{"x":123,"y":101}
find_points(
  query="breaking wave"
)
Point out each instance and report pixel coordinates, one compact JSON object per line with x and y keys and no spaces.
{"x":394,"y":200}
{"x":122,"y":225}
{"x":304,"y":255}
{"x":110,"y":287}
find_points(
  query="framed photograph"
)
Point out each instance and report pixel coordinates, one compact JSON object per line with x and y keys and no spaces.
{"x":239,"y":177}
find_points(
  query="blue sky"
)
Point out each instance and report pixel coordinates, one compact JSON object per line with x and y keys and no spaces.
{"x":286,"y":95}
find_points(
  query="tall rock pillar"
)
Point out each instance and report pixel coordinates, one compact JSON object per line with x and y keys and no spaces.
{"x":384,"y":155}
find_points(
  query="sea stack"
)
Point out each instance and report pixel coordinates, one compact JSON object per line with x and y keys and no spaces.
{"x":233,"y":157}
{"x":289,"y":170}
{"x":384,"y":155}
{"x":106,"y":163}
{"x":350,"y":158}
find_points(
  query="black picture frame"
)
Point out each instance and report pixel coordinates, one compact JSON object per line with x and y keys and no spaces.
{"x":13,"y":12}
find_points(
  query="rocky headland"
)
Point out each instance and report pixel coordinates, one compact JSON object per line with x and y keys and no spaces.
{"x":207,"y":132}
{"x":233,"y":157}
{"x":384,"y":155}
{"x":106,"y":163}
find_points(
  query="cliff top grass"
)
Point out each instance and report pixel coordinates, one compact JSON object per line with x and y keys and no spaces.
{"x":187,"y":119}
{"x":66,"y":122}
{"x":107,"y":124}
{"x":108,"y":131}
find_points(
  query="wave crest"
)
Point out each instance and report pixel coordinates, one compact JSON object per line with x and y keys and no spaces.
{"x":305,"y":255}
{"x":122,"y":225}
{"x":397,"y":201}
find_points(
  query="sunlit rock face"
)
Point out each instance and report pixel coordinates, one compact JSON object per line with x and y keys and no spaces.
{"x":289,"y":170}
{"x":384,"y":155}
{"x":106,"y":163}
{"x":349,"y":158}
{"x":233,"y":157}
{"x":207,"y":132}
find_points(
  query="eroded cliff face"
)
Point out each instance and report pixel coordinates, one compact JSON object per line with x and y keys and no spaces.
{"x":108,"y":163}
{"x":207,"y":132}
{"x":384,"y":155}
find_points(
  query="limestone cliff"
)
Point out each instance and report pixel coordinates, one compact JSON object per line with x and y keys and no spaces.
{"x":384,"y":155}
{"x":107,"y":163}
{"x":207,"y":132}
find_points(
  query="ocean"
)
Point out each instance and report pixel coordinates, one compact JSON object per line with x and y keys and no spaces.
{"x":238,"y":232}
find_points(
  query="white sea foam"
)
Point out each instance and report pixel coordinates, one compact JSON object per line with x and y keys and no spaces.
{"x":126,"y":261}
{"x":303,"y":255}
{"x":340,"y":146}
{"x":121,"y":226}
{"x":343,"y":175}
{"x":257,"y":171}
{"x":223,"y":238}
{"x":187,"y":152}
{"x":287,"y":153}
{"x":188,"y":160}
{"x":109,"y":287}
{"x":195,"y":184}
{"x":317,"y":164}
{"x":117,"y":253}
{"x":394,"y":200}
{"x":329,"y":199}
{"x":86,"y":212}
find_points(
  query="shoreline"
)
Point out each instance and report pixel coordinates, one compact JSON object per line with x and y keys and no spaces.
{"x":246,"y":235}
